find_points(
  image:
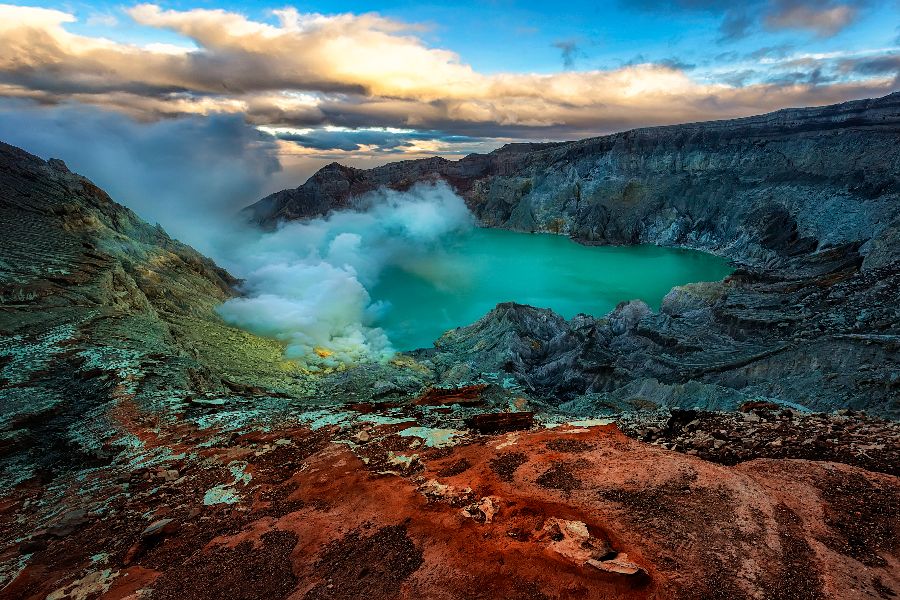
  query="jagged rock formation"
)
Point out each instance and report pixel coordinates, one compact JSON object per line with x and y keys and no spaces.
{"x":98,"y":308}
{"x":755,"y":189}
{"x":805,"y":201}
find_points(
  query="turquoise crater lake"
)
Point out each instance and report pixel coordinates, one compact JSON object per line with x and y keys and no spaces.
{"x":454,"y":285}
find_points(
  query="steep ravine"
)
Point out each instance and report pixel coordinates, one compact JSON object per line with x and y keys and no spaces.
{"x":805,"y":201}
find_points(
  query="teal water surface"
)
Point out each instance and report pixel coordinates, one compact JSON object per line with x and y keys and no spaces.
{"x":441,"y":288}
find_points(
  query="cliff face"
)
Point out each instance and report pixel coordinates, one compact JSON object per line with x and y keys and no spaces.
{"x":100,"y":309}
{"x":805,"y":201}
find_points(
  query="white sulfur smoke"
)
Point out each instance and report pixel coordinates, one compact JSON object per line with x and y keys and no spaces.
{"x":307,"y":283}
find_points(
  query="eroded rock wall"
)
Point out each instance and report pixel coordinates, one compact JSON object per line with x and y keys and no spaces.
{"x":99,"y":309}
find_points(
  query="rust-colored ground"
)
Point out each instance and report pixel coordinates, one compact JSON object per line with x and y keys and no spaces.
{"x":515,"y":516}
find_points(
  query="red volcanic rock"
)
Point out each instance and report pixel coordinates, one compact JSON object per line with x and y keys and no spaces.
{"x":318,"y":520}
{"x":469,"y":395}
{"x":497,"y":422}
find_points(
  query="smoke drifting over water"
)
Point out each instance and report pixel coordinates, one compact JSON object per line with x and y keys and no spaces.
{"x":307,"y":283}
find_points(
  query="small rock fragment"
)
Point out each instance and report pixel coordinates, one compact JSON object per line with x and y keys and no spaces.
{"x":69,"y":522}
{"x":620,"y":564}
{"x":484,"y":510}
{"x":572,"y":540}
{"x":160,"y":528}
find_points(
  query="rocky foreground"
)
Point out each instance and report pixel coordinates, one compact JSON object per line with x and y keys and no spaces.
{"x":365,"y":503}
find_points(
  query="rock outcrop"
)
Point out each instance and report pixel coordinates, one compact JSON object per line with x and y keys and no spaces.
{"x":327,"y":513}
{"x":806,"y":202}
{"x":98,"y":308}
{"x":758,"y":189}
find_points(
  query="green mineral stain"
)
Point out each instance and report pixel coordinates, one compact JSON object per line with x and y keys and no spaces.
{"x":220,"y":494}
{"x":382,"y":419}
{"x":226,"y":494}
{"x":454,"y":285}
{"x":434,"y":438}
{"x":317,"y":419}
{"x":237,"y":471}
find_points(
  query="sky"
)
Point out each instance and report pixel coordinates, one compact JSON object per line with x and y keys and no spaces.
{"x":297,"y":86}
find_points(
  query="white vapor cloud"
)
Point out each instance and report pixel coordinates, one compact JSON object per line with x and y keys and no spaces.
{"x":307,"y":283}
{"x":190,"y":175}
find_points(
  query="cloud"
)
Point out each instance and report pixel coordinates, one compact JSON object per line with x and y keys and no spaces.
{"x":189,"y":174}
{"x":766,"y":52}
{"x":569,"y":51}
{"x":739,"y":77}
{"x":102,"y":20}
{"x":877,"y":65}
{"x":673,"y":63}
{"x":363,"y":71}
{"x":375,"y":139}
{"x":824,"y":18}
{"x":811,"y":77}
{"x":736,"y":24}
{"x":307,"y":283}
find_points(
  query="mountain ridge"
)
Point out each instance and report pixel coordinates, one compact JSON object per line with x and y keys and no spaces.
{"x":504,"y":188}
